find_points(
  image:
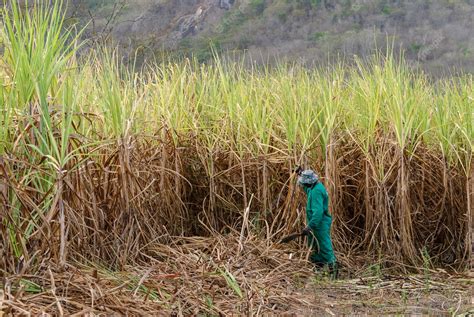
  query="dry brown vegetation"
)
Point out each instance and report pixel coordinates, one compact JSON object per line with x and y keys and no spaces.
{"x":178,"y":178}
{"x":215,"y":276}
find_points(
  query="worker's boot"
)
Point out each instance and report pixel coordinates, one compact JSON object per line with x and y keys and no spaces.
{"x":318,"y":266}
{"x":330,"y":270}
{"x":333,"y":270}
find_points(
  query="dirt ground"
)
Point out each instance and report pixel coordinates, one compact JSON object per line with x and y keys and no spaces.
{"x":227,"y":276}
{"x":437,"y":294}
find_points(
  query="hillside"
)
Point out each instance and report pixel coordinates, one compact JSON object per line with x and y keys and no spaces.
{"x":434,"y":34}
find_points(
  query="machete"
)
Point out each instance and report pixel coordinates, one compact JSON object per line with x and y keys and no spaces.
{"x":292,"y":237}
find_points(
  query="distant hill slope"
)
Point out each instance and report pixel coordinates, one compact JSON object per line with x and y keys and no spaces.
{"x":438,"y":35}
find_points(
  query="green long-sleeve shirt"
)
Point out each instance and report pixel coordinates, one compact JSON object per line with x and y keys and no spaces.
{"x":317,"y":204}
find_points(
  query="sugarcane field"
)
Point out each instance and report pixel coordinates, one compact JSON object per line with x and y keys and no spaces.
{"x":221,"y":188}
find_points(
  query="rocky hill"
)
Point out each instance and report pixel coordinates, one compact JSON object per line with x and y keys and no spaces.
{"x":435,"y":35}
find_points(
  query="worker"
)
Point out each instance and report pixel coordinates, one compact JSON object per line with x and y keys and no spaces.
{"x":318,"y":222}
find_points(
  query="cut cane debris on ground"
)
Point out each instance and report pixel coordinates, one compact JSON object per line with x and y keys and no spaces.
{"x":214,"y":276}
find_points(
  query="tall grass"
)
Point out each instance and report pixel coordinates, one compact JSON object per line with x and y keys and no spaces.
{"x":97,"y":160}
{"x":38,"y":51}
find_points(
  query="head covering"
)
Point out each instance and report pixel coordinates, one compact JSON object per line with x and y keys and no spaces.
{"x":308,"y":177}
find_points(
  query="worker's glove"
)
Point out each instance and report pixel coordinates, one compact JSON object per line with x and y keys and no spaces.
{"x":307,"y":231}
{"x":298,"y":170}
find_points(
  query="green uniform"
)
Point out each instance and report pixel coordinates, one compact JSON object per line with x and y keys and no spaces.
{"x":319,"y":220}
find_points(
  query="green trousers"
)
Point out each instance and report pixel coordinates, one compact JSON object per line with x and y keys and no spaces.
{"x":321,"y":244}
